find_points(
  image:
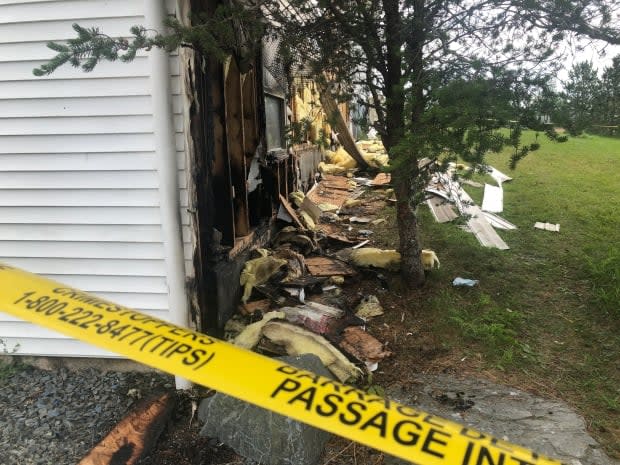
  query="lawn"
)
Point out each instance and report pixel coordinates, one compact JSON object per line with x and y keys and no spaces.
{"x":545,"y":316}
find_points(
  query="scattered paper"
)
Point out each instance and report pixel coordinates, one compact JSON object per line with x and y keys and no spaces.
{"x":360,"y":219}
{"x":547,"y":226}
{"x":464,"y":282}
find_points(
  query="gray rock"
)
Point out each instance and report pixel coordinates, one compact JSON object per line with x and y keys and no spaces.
{"x":547,"y":426}
{"x":263,"y":436}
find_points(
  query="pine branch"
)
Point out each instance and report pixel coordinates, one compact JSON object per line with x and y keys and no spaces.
{"x":91,"y":46}
{"x":231,"y":30}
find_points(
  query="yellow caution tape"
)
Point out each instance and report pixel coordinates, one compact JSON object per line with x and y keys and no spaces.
{"x":395,"y":429}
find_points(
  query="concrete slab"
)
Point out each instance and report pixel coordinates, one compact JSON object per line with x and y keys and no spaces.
{"x":546,"y":426}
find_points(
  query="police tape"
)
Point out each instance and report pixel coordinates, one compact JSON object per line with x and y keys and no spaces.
{"x":395,"y":429}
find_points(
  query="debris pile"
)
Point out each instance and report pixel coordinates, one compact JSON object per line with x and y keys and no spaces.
{"x":294,"y":300}
{"x":446,"y":194}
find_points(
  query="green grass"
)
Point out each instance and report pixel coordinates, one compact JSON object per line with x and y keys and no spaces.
{"x":6,"y":369}
{"x":546,"y":312}
{"x":8,"y":366}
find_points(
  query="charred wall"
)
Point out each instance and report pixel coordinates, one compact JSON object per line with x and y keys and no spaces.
{"x":235,"y":183}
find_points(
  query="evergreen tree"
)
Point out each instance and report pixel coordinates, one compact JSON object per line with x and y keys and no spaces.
{"x":610,"y":95}
{"x":581,"y":98}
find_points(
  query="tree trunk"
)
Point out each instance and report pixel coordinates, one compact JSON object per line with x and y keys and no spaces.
{"x":404,"y":175}
{"x":345,"y":138}
{"x":411,"y":268}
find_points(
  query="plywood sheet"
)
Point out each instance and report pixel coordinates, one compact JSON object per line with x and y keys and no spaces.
{"x":324,"y":266}
{"x":442,"y":210}
{"x":483,"y":230}
{"x":332,"y":189}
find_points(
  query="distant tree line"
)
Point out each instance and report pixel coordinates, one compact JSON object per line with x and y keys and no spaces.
{"x":587,"y":102}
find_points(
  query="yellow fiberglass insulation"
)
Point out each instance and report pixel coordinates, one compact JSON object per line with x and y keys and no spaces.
{"x":374,"y":153}
{"x":297,"y":341}
{"x":306,"y":219}
{"x":251,"y":334}
{"x":376,"y":160}
{"x":297,"y":198}
{"x":379,"y":258}
{"x":341,"y":158}
{"x":429,"y":259}
{"x":329,"y":168}
{"x":258,"y":271}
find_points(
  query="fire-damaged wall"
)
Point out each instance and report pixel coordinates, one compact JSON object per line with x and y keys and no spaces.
{"x":240,"y":165}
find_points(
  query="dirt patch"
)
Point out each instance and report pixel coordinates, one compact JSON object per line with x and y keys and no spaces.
{"x":181,"y":443}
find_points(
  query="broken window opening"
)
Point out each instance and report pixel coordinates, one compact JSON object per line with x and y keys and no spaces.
{"x":274,"y":119}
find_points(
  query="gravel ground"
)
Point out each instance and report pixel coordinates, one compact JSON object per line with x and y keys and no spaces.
{"x":56,"y":417}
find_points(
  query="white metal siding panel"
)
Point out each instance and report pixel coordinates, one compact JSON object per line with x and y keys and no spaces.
{"x":85,"y":197}
{"x":63,"y":88}
{"x":115,"y":161}
{"x":79,"y":179}
{"x":82,"y":250}
{"x":22,"y":70}
{"x":183,"y":174}
{"x":94,"y":266}
{"x":140,"y":284}
{"x":84,"y":232}
{"x":61,"y":30}
{"x":82,"y":125}
{"x":79,"y":199}
{"x":58,"y":346}
{"x":74,"y":10}
{"x":36,"y":50}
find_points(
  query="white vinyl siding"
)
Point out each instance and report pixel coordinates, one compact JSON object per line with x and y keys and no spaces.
{"x":79,"y":188}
